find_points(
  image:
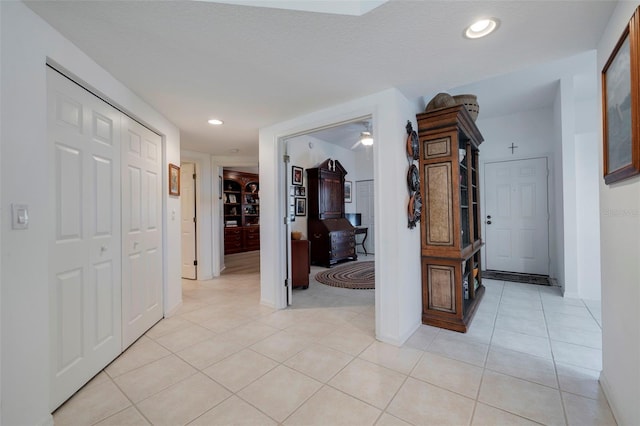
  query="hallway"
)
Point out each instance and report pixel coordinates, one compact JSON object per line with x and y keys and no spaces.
{"x":530,"y":357}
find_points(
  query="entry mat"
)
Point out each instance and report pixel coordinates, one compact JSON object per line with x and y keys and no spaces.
{"x":516,"y":277}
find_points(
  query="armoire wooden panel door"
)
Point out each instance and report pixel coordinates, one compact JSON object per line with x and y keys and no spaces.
{"x":331,"y":195}
{"x":85,"y":239}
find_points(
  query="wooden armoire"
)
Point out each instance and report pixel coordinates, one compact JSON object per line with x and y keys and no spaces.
{"x":450,"y":224}
{"x":332,"y":237}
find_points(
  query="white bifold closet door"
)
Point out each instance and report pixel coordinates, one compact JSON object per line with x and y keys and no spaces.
{"x":141,"y":230}
{"x":85,"y":243}
{"x":105,"y":265}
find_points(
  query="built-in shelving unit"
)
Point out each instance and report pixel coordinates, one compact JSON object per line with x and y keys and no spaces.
{"x":241,"y":197}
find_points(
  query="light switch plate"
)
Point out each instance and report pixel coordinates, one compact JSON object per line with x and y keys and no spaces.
{"x":19,"y":216}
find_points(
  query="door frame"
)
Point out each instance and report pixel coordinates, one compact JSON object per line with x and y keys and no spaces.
{"x":196,"y":238}
{"x":284,"y":293}
{"x":551,"y":248}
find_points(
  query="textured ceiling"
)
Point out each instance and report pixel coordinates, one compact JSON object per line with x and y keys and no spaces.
{"x":253,"y":66}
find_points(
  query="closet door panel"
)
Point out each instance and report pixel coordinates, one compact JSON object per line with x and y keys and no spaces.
{"x":141,"y":230}
{"x":85,"y":242}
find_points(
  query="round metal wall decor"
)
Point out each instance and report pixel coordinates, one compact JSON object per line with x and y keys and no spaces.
{"x":414,"y":209}
{"x":413,"y":146}
{"x":413,"y":178}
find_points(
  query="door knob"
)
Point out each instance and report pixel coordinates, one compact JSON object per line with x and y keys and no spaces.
{"x":488,"y":216}
{"x":488,"y":222}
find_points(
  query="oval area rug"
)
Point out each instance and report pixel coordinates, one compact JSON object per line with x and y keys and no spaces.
{"x":356,"y":275}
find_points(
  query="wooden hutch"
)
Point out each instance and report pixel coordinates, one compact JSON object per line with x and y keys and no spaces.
{"x":241,"y":212}
{"x":450,"y":223}
{"x":332,"y":236}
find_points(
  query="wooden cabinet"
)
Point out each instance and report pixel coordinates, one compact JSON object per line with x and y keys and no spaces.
{"x":233,"y":240}
{"x":332,"y":240}
{"x":241,"y":197}
{"x":300,"y":266}
{"x":450,"y":223}
{"x":332,"y":237}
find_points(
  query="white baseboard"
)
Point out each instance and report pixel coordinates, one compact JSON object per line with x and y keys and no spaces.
{"x":606,"y":389}
{"x":173,"y":310}
{"x":571,"y":295}
{"x":47,"y":421}
{"x":268,"y":304}
{"x":398,"y":340}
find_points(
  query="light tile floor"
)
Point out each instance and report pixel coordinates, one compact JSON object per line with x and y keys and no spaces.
{"x":530,"y":357}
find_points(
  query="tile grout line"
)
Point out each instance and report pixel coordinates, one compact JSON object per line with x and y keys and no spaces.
{"x":555,"y":367}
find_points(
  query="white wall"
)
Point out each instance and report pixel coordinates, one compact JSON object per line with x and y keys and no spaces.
{"x":620,"y":248}
{"x":398,"y":280}
{"x":2,"y":212}
{"x":570,"y":224}
{"x":556,"y":243}
{"x":27,"y":44}
{"x":364,"y":164}
{"x":588,"y":216}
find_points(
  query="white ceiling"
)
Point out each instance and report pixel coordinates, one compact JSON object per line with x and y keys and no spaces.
{"x":253,"y":66}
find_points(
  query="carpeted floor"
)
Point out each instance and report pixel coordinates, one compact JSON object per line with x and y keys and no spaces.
{"x":356,"y":275}
{"x":516,"y":277}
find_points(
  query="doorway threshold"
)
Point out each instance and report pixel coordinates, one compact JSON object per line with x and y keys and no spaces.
{"x":517,"y":277}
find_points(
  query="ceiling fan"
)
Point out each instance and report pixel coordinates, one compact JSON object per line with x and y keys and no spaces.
{"x":366,"y":136}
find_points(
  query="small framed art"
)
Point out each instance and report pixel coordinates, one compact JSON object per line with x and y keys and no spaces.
{"x":301,"y":206}
{"x":347,"y":191}
{"x":296,"y":175}
{"x":174,"y":179}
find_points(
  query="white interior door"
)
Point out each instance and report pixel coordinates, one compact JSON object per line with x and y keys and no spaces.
{"x":141,"y":230}
{"x":517,"y":217}
{"x":365,"y":203}
{"x":85,"y":241}
{"x":188,"y":207}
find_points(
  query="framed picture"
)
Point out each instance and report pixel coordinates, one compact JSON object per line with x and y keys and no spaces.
{"x":296,"y":175}
{"x":301,"y":206}
{"x":347,"y":191}
{"x":174,"y":179}
{"x":620,"y":107}
{"x":301,"y":191}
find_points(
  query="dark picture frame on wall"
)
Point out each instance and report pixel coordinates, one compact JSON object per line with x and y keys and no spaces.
{"x":301,"y":206}
{"x":296,"y":175}
{"x":620,"y":106}
{"x":347,"y":191}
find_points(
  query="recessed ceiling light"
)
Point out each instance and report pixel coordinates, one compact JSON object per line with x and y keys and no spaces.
{"x":215,"y":122}
{"x":481,"y":28}
{"x":234,"y":150}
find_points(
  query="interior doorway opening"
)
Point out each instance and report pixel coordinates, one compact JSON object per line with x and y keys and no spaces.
{"x":240,"y":199}
{"x":339,"y":142}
